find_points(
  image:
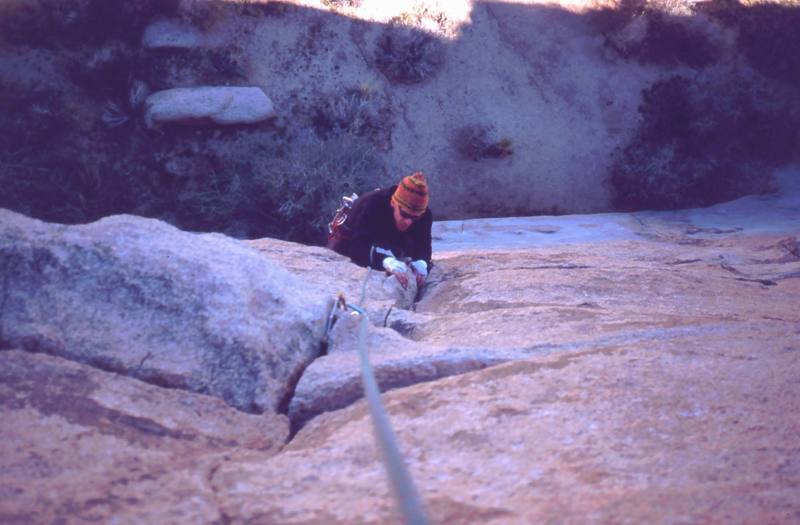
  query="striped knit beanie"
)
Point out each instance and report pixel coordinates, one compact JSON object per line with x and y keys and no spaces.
{"x":412,"y":194}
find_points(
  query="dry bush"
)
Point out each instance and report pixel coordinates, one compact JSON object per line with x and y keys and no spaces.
{"x":204,"y":14}
{"x":656,"y":33}
{"x":247,"y":181}
{"x":56,"y":23}
{"x":473,"y":142}
{"x":103,"y":72}
{"x":308,"y":181}
{"x":357,"y":111}
{"x":256,"y":181}
{"x":78,"y":152}
{"x":341,"y":3}
{"x":406,"y":55}
{"x":180,"y":67}
{"x":703,"y":141}
{"x":52,"y":171}
{"x":768,"y":35}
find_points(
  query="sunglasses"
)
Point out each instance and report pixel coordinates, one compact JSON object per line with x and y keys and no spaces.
{"x":404,"y":214}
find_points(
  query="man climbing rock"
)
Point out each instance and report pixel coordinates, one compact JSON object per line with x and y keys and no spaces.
{"x":390,"y":229}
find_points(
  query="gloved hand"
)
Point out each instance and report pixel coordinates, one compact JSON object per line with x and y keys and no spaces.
{"x":420,"y":269}
{"x":398,"y":269}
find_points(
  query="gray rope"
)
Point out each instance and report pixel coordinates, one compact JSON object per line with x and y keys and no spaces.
{"x":408,"y":499}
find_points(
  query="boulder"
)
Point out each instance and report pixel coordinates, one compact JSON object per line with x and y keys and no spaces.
{"x":216,"y":104}
{"x":200,"y":312}
{"x":80,"y":445}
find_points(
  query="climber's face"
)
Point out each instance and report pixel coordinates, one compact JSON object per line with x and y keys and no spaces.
{"x":402,"y":219}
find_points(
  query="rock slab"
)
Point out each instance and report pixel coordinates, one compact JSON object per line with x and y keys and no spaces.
{"x":217,"y":104}
{"x":200,"y":312}
{"x":79,"y":445}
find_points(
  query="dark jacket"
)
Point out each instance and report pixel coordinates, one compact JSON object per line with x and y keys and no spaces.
{"x":370,"y":226}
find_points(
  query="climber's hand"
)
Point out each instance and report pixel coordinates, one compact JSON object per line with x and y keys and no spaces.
{"x":398,"y":269}
{"x":420,"y":269}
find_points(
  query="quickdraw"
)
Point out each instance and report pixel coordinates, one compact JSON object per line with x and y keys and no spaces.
{"x":336,"y":228}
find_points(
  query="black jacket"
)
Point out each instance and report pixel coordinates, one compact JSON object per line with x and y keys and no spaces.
{"x":370,"y":226}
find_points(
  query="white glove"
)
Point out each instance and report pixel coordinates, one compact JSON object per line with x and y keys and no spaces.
{"x":420,"y":267}
{"x":392,"y":265}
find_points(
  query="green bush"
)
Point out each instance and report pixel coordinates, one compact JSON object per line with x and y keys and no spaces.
{"x":768,"y":35}
{"x":702,"y":142}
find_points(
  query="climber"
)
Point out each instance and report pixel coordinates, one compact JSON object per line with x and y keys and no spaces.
{"x":389,"y":229}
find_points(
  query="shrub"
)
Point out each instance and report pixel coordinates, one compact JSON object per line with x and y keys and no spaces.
{"x":258,"y":8}
{"x":653,"y":33}
{"x":210,"y":201}
{"x":408,"y":56}
{"x":50,"y":173}
{"x":258,"y":183}
{"x":247,"y":181}
{"x":303,"y":187}
{"x":27,"y":123}
{"x":66,"y":157}
{"x":168,"y":68}
{"x":55,"y":23}
{"x":358,"y":111}
{"x":701,"y":142}
{"x":341,"y":3}
{"x":768,"y":35}
{"x":105,"y":72}
{"x":43,"y":22}
{"x":473,"y":143}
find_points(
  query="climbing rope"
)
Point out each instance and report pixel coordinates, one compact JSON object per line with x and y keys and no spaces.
{"x":408,"y":500}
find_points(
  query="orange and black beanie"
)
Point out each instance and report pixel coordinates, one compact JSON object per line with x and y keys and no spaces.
{"x":412,"y":194}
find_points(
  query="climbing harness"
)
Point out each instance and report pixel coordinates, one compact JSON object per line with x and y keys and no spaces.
{"x":405,"y":493}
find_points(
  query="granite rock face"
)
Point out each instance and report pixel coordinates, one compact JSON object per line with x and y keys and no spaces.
{"x":80,"y":445}
{"x":648,"y":376}
{"x":333,"y":381}
{"x":482,"y":307}
{"x":653,"y":380}
{"x":698,"y":428}
{"x":204,"y":313}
